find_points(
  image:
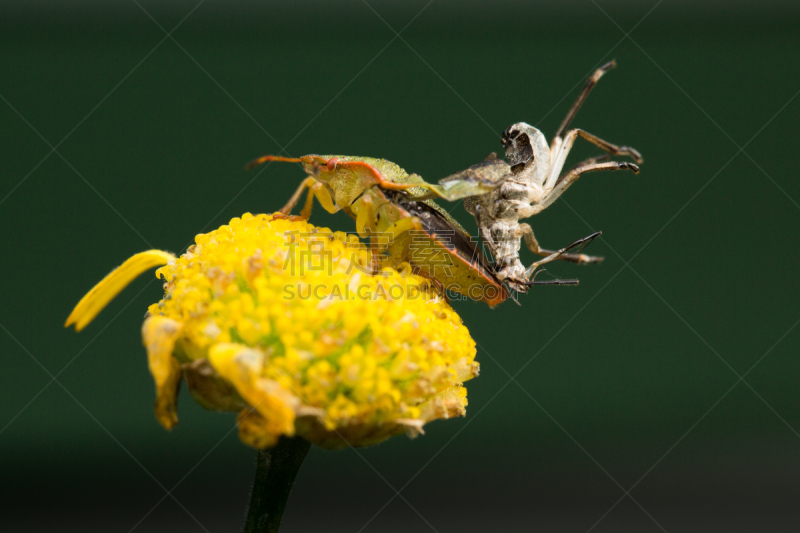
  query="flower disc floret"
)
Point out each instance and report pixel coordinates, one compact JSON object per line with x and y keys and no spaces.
{"x":286,"y":324}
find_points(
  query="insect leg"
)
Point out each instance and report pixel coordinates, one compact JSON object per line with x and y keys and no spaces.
{"x":590,"y":161}
{"x":533,"y":246}
{"x":319,"y":191}
{"x":394,"y":234}
{"x":560,"y":157}
{"x":366,"y":209}
{"x":365,"y":216}
{"x":287,"y":209}
{"x":403,"y":225}
{"x":569,"y":178}
{"x":587,"y":88}
{"x":580,"y":243}
{"x":483,"y":229}
{"x":315,"y":189}
{"x":365,"y":225}
{"x":612,"y":149}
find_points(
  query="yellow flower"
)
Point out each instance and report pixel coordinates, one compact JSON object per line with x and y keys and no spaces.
{"x":285,"y":323}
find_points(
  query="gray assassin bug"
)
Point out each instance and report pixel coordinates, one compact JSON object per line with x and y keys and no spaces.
{"x":528,"y":183}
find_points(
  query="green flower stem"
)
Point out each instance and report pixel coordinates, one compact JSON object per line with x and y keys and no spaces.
{"x":275,"y":472}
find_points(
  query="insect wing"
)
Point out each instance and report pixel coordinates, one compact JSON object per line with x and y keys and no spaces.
{"x":468,"y":271}
{"x":474,"y":181}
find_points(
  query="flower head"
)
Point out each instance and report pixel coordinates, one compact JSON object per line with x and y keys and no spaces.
{"x":286,"y":324}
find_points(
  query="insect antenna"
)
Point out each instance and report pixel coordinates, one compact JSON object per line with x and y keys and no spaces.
{"x":512,"y":294}
{"x":264,"y":159}
{"x":553,"y":282}
{"x":550,"y":281}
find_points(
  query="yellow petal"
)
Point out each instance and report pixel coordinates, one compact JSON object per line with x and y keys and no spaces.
{"x":159,"y":335}
{"x":119,"y":278}
{"x":243,"y":367}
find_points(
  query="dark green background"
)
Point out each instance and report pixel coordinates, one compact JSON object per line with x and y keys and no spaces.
{"x":634,"y":372}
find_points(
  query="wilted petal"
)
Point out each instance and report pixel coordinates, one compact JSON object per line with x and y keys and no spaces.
{"x":243,"y":367}
{"x":209,"y":389}
{"x":446,"y":404}
{"x":255,"y":430}
{"x":159,"y":335}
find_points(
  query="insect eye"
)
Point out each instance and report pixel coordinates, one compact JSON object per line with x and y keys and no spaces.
{"x":509,"y":135}
{"x":519,"y":151}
